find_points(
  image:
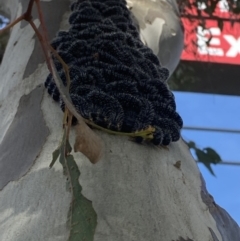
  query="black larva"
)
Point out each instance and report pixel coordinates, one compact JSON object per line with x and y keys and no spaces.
{"x":116,"y":81}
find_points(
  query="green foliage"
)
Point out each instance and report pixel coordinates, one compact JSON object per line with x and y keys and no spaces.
{"x":207,"y":156}
{"x":55,"y":156}
{"x":82,"y":219}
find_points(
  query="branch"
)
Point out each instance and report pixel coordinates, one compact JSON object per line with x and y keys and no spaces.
{"x":27,"y":16}
{"x":225,"y":163}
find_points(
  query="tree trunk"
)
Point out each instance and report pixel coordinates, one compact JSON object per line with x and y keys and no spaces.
{"x":138,"y":192}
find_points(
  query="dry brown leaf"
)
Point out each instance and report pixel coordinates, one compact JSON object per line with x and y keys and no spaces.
{"x":88,"y":143}
{"x":178,"y":164}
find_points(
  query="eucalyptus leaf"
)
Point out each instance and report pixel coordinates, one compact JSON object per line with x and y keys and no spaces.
{"x":213,"y":155}
{"x":55,"y":156}
{"x":205,"y":159}
{"x":82,"y":217}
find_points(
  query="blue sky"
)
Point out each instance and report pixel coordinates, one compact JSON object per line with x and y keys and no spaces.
{"x":216,"y":111}
{"x":3,"y":21}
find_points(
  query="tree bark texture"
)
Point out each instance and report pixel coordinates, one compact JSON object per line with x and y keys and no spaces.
{"x":139,"y":192}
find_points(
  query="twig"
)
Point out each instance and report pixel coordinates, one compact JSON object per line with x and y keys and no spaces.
{"x":45,"y":42}
{"x":25,"y":16}
{"x":28,"y":13}
{"x":10,"y":25}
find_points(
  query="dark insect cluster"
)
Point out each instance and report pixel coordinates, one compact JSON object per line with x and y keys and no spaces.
{"x":116,"y":81}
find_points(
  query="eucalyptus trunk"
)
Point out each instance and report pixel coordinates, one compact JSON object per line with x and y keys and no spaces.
{"x":135,"y":192}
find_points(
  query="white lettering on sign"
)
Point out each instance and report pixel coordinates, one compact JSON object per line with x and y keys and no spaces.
{"x":201,"y":5}
{"x":222,"y":4}
{"x":204,"y":42}
{"x":209,"y":43}
{"x":235,"y":46}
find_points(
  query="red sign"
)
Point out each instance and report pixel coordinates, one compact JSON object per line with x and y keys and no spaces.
{"x":213,"y":43}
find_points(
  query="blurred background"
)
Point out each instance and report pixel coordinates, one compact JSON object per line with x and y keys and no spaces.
{"x":206,"y":85}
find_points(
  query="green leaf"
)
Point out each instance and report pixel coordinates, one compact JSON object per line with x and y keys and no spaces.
{"x":205,"y":159}
{"x":61,"y":150}
{"x":207,"y":156}
{"x":55,"y":156}
{"x":191,"y":144}
{"x":82,"y":217}
{"x":213,"y":155}
{"x":68,"y":147}
{"x":62,"y":159}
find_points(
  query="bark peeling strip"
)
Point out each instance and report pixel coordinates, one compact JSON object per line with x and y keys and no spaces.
{"x":227,"y":227}
{"x":24,"y":138}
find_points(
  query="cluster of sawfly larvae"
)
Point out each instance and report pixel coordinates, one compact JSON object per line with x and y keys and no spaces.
{"x":116,"y":81}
